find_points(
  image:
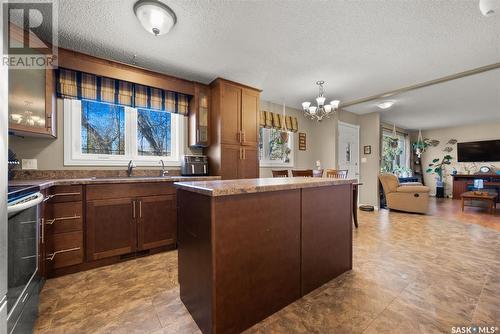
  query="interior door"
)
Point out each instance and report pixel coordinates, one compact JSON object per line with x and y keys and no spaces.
{"x":249,"y":164}
{"x":348,"y":157}
{"x":230,"y":114}
{"x":249,"y":114}
{"x":111,"y":227}
{"x":230,"y":161}
{"x":157,"y":224}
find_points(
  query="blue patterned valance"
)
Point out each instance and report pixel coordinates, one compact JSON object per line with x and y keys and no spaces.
{"x":79,"y":85}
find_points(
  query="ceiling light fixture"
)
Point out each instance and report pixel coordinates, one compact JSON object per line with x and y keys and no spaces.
{"x":322,"y":110}
{"x":155,"y":16}
{"x":385,"y":104}
{"x":489,"y":7}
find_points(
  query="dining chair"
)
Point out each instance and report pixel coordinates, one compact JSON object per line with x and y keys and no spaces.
{"x":280,"y":173}
{"x":303,"y":173}
{"x":337,"y":173}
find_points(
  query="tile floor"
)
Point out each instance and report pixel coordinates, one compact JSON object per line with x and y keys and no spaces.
{"x":412,"y":274}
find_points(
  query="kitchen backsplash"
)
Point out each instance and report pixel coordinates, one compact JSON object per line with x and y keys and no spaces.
{"x":77,"y":174}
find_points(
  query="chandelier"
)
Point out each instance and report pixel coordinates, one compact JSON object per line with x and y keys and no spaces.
{"x":322,"y":110}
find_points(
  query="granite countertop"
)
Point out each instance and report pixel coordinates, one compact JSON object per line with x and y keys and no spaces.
{"x":43,"y":184}
{"x":247,"y":186}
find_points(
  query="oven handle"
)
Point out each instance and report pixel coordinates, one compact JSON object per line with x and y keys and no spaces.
{"x":25,"y":205}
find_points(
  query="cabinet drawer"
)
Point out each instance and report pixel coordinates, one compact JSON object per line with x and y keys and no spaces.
{"x":63,"y":217}
{"x":60,"y":194}
{"x":128,"y":190}
{"x":64,"y":249}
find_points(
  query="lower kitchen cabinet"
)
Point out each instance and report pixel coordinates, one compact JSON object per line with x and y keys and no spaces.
{"x":111,"y":227}
{"x":157,"y":223}
{"x":86,"y":226}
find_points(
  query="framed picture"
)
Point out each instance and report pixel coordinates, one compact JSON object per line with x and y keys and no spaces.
{"x":367,"y":149}
{"x":302,"y":141}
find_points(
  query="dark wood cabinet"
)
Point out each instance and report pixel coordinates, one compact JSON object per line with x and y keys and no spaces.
{"x":133,"y":217}
{"x":32,"y":110}
{"x":199,"y":116}
{"x":249,"y":113}
{"x":233,"y":150}
{"x":111,"y":228}
{"x":230,"y":112}
{"x":157,"y":223}
{"x":248,"y":166}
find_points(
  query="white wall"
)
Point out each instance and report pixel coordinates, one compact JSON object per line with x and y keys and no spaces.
{"x":473,"y":132}
{"x":3,"y":181}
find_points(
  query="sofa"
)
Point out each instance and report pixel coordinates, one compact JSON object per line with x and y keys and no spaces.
{"x":409,"y":197}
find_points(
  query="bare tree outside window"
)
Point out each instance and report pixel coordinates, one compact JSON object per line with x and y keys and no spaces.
{"x":103,"y":128}
{"x":154,"y":133}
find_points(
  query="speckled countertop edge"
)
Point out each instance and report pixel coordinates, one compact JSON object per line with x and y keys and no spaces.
{"x":44,"y":184}
{"x":248,"y":186}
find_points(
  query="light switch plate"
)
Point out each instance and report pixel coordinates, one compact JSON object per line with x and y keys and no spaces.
{"x":29,"y":164}
{"x":363,"y":160}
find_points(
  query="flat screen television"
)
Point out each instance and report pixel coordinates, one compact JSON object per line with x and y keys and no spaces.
{"x":479,"y":151}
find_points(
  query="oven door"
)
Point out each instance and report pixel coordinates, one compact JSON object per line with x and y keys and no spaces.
{"x":22,"y":272}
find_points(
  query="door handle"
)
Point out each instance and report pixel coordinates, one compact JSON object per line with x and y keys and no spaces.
{"x":243,"y":136}
{"x":133,"y":206}
{"x":244,"y":153}
{"x":140,"y":209}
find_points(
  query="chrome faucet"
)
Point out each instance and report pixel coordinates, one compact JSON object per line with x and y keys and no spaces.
{"x":131,"y":166}
{"x":163,"y":171}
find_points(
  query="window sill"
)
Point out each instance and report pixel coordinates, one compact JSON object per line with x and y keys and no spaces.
{"x":124,"y":163}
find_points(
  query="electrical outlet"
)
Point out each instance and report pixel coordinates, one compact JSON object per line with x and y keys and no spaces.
{"x":29,"y":164}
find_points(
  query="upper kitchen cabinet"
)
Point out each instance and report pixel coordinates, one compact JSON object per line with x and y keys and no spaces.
{"x":32,"y":109}
{"x":234,"y":130}
{"x":199,"y":133}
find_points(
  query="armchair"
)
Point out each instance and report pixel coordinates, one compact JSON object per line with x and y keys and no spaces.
{"x":411,"y":197}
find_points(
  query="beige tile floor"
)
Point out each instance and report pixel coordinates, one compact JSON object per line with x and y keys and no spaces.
{"x":411,"y":274}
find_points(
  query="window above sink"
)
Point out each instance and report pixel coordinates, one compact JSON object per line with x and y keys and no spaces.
{"x":105,"y":134}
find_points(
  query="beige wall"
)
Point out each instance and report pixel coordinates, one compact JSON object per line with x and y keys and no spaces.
{"x":50,"y":152}
{"x":474,"y":132}
{"x":369,"y":168}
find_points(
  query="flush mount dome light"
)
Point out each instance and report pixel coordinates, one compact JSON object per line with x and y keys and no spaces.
{"x":385,"y":104}
{"x":489,"y":7}
{"x":155,"y":16}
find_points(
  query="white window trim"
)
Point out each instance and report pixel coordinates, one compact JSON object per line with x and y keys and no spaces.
{"x":271,"y":163}
{"x":72,"y":112}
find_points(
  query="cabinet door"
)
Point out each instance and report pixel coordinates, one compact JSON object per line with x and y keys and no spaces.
{"x":111,"y":227}
{"x":249,"y":117}
{"x":157,"y":223}
{"x":230,"y":161}
{"x":230,"y":105}
{"x":199,"y":117}
{"x":249,"y":164}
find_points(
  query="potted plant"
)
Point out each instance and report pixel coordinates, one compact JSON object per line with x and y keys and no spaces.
{"x":438,"y":167}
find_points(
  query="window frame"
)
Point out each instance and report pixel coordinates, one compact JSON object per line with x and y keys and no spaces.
{"x":73,"y":156}
{"x":273,"y":163}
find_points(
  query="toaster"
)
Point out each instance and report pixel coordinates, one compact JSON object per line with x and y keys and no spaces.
{"x":194,"y":165}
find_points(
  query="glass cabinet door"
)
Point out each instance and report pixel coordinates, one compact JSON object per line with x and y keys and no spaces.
{"x":27,"y":98}
{"x":203,"y":118}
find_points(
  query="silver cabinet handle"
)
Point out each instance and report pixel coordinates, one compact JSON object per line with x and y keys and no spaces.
{"x":53,"y":255}
{"x":52,"y":221}
{"x":140,"y":209}
{"x":49,"y":197}
{"x":134,"y":207}
{"x":42,"y":227}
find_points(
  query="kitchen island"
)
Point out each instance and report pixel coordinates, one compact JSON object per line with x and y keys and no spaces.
{"x":248,"y":248}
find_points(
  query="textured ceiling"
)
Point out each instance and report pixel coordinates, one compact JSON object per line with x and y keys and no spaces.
{"x":473,"y":99}
{"x":359,"y":48}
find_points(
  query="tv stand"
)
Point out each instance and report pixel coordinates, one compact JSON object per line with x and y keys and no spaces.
{"x":465,"y":182}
